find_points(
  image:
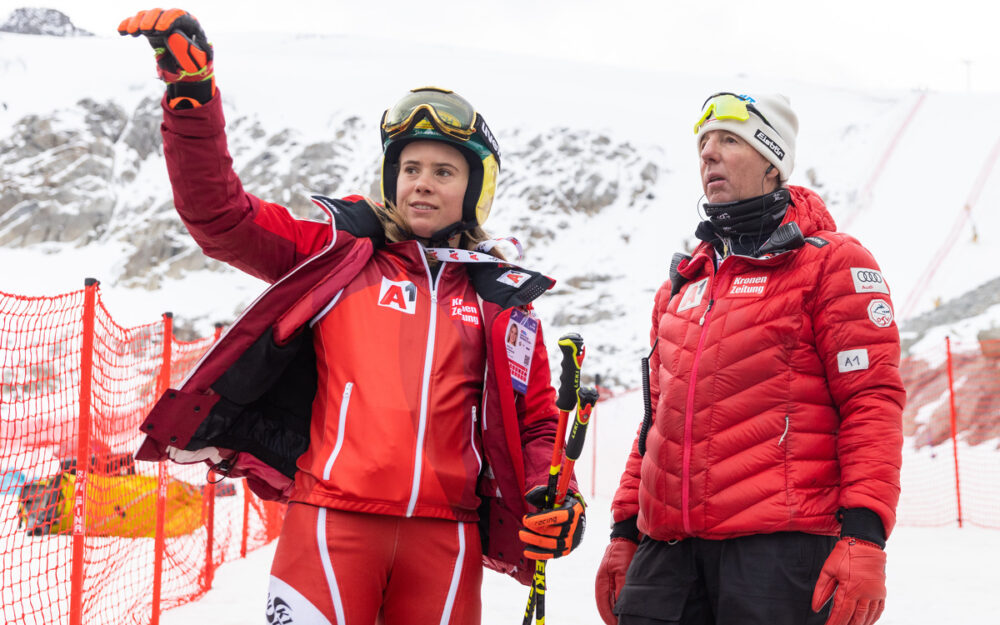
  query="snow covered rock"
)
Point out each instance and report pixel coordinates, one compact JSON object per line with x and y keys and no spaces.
{"x":38,"y":21}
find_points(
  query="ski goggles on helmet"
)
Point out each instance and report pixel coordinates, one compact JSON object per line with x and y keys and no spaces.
{"x":725,"y":105}
{"x":448,"y":112}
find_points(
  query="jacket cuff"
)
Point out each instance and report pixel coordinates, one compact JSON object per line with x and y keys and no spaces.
{"x":199,"y":92}
{"x":202,"y":122}
{"x":629,"y":528}
{"x":861,"y":523}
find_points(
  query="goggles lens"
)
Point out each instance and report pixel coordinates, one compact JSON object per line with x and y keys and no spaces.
{"x":728,"y":106}
{"x":447,"y":111}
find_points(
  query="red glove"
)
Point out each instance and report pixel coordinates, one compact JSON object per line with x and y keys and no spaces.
{"x":855,"y":569}
{"x":553,"y":532}
{"x":611,"y":576}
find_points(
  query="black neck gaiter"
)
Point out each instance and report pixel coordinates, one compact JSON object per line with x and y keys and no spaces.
{"x":741,"y":227}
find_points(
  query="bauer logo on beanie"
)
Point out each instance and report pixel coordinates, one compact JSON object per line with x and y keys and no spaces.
{"x":770,"y":127}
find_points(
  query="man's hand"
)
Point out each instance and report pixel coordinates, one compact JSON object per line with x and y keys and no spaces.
{"x":611,"y":576}
{"x":553,"y":532}
{"x":183,"y":53}
{"x":854,"y":575}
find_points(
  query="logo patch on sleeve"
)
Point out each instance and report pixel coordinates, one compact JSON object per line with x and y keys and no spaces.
{"x":514,"y":278}
{"x":868,"y":281}
{"x":880,"y":313}
{"x":401,"y":296}
{"x":693,"y":295}
{"x":748,"y":286}
{"x":852,"y":360}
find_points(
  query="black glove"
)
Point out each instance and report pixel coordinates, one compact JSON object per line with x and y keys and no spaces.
{"x":553,"y":532}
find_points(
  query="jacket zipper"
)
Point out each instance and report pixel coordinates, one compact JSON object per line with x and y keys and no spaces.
{"x":689,"y":411}
{"x":418,"y":463}
{"x":785,"y":433}
{"x":472,"y":441}
{"x":341,"y":433}
{"x":486,"y":368}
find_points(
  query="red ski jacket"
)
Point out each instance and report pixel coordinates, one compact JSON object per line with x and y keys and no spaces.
{"x":356,"y":380}
{"x":775,"y":390}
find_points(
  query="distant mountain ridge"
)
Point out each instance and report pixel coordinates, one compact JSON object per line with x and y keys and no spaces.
{"x":39,"y":21}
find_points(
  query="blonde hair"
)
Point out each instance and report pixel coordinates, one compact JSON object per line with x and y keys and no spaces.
{"x":397,"y":229}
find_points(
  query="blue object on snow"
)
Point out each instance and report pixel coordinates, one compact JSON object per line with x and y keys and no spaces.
{"x":11,"y":481}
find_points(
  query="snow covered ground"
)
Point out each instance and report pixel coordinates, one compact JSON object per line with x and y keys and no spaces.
{"x":934,"y":577}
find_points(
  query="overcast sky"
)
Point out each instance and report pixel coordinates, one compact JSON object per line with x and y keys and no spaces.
{"x":942,"y":46}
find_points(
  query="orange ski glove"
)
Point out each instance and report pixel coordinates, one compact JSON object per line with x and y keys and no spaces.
{"x":854,"y":575}
{"x":553,"y":532}
{"x":183,"y":54}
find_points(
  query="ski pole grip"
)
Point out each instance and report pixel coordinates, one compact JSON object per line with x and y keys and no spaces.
{"x":574,"y":446}
{"x":571,"y":346}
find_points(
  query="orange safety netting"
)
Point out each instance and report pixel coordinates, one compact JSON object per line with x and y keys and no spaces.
{"x":951,"y":464}
{"x":74,"y":387}
{"x":86,"y":533}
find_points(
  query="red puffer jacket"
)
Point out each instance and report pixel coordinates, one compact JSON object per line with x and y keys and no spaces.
{"x":776,"y":392}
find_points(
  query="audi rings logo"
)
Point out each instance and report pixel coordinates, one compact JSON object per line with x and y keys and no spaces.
{"x":868,"y":280}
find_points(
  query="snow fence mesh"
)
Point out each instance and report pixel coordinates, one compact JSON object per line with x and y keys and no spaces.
{"x":74,"y":387}
{"x":107,"y":570}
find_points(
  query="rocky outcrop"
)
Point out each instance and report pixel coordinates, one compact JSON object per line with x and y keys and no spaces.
{"x":32,"y":21}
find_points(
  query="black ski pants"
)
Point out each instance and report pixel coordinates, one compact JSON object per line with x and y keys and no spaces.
{"x":764,"y":579}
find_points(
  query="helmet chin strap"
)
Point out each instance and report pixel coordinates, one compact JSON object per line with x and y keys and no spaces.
{"x":442,"y":236}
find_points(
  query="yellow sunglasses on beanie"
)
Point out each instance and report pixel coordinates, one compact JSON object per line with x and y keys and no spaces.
{"x":766,"y":122}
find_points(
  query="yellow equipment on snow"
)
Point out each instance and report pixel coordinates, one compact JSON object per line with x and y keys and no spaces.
{"x":116,"y":505}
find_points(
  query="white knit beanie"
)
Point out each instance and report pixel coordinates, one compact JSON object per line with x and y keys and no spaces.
{"x":773,"y":138}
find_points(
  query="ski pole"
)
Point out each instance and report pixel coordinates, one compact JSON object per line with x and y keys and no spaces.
{"x":573,"y":351}
{"x":588,"y":397}
{"x":574,"y":447}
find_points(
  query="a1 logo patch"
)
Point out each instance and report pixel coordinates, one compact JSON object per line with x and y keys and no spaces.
{"x":401,"y":296}
{"x":514,"y":278}
{"x":880,"y":313}
{"x":852,"y":360}
{"x":693,"y":295}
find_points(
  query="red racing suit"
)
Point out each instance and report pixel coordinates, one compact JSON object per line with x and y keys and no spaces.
{"x":359,"y":380}
{"x":775,"y":390}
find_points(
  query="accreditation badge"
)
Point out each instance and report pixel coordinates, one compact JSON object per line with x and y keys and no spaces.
{"x":520,"y":342}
